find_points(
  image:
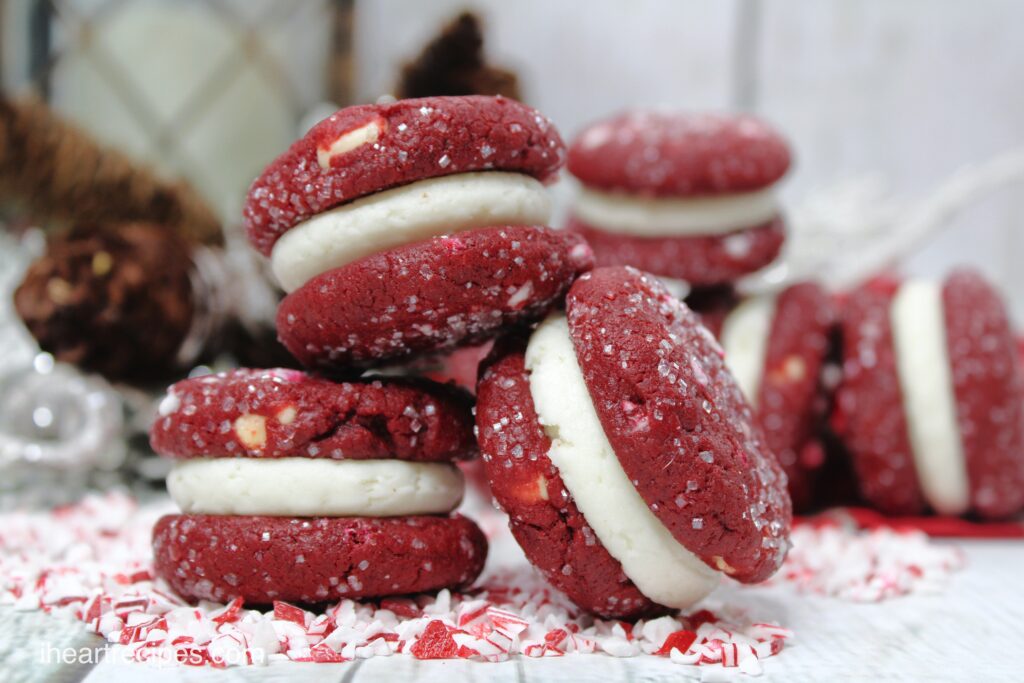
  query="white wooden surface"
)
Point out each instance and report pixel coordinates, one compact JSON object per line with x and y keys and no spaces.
{"x":970,"y":632}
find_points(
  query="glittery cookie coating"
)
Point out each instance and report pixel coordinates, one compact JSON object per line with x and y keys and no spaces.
{"x":318,"y":559}
{"x":678,"y":422}
{"x":988,"y":390}
{"x":988,"y":383}
{"x":367,"y":148}
{"x":287,"y":413}
{"x":704,"y":260}
{"x":431,"y":296}
{"x":869,"y":404}
{"x":674,"y":154}
{"x":542,"y":514}
{"x":790,"y":402}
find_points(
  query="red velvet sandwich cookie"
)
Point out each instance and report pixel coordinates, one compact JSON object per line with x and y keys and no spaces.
{"x":372,"y":178}
{"x":776,"y":347}
{"x":543,"y":516}
{"x":365,"y":149}
{"x":320,"y":559}
{"x":265,"y":452}
{"x":432,"y":296}
{"x":932,"y":399}
{"x":410,"y":228}
{"x":627,"y":459}
{"x":687,"y":196}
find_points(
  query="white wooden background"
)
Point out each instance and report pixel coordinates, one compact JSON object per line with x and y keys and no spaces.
{"x":913,"y":89}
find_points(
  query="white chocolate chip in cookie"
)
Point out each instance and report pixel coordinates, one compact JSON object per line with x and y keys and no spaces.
{"x":251,"y":431}
{"x":286,"y":415}
{"x":794,"y":368}
{"x":724,"y":566}
{"x":542,"y":487}
{"x":348,"y":141}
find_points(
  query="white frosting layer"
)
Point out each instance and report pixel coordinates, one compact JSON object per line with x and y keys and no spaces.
{"x":314,"y":487}
{"x":668,"y":217}
{"x":745,"y":340}
{"x":926,"y":384}
{"x":404,"y":215}
{"x":651,"y":557}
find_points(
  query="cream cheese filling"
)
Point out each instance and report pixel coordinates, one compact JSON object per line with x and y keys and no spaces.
{"x":744,"y":337}
{"x":405,"y":215}
{"x":917,"y":316}
{"x":314,"y":487}
{"x":675,"y":217}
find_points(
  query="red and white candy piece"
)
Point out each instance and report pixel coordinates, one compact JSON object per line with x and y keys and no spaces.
{"x":91,"y":561}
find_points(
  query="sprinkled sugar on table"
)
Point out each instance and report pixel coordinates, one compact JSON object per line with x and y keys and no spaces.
{"x":859,"y":607}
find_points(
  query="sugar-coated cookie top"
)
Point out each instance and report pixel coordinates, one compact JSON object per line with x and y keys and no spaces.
{"x":678,"y":422}
{"x":367,"y":148}
{"x":286,"y":413}
{"x":678,"y":154}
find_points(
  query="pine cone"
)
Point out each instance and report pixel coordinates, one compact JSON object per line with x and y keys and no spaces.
{"x":60,"y":173}
{"x":119,"y":303}
{"x":453,"y":64}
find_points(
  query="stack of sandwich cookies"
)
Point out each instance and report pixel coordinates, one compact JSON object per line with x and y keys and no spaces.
{"x":931,"y":403}
{"x":684,"y":196}
{"x":776,"y":347}
{"x":413,"y":227}
{"x":624,"y":453}
{"x":295,"y":488}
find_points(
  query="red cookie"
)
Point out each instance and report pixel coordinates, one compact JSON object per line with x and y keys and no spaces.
{"x":988,"y":383}
{"x":988,"y":390}
{"x":431,"y":296}
{"x":379,"y":146}
{"x":262,"y":559}
{"x":671,"y":154}
{"x":869,"y":405}
{"x":791,"y":401}
{"x":287,"y":413}
{"x":678,"y":422}
{"x":542,"y":515}
{"x":720,"y":161}
{"x":704,"y":260}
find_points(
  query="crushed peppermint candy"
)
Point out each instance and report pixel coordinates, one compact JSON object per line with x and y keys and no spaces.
{"x":93,"y":561}
{"x":867,"y":566}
